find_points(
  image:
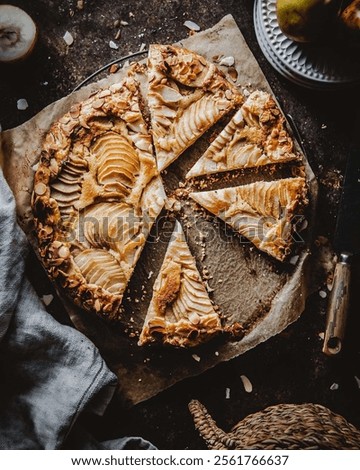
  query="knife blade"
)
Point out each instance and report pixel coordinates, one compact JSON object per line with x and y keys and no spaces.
{"x":346,"y":244}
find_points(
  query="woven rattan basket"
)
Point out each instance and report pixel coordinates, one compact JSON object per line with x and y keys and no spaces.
{"x":284,"y":426}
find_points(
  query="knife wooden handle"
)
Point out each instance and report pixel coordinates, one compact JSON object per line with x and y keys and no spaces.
{"x":338,"y":306}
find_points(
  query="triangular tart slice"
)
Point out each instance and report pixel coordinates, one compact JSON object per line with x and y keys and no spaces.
{"x":255,"y":136}
{"x":263,"y":212}
{"x":187,"y":95}
{"x":180,"y":312}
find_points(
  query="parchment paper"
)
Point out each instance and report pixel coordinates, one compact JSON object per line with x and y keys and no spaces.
{"x":248,"y":286}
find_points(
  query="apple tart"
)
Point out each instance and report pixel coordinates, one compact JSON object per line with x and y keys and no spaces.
{"x":255,"y":136}
{"x":187,"y":95}
{"x":97,"y":193}
{"x":263,"y":212}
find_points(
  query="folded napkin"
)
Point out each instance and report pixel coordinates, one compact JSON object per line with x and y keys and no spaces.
{"x":49,"y":372}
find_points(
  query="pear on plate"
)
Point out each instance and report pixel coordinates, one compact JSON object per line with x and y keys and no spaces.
{"x":350,"y":19}
{"x":307,"y":20}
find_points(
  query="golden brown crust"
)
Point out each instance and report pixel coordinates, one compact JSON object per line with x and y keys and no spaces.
{"x":96,"y":177}
{"x":187,"y":95}
{"x":255,"y":136}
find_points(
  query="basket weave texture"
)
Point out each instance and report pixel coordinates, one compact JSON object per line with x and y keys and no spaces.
{"x":284,"y":426}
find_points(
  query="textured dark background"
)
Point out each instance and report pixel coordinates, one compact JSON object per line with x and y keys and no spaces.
{"x":289,"y":368}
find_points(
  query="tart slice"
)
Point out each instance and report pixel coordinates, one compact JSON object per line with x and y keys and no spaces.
{"x":97,"y":193}
{"x":255,"y":136}
{"x":187,"y":95}
{"x":263,"y":212}
{"x":180,"y":312}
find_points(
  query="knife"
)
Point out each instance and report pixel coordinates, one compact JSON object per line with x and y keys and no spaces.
{"x":346,"y":245}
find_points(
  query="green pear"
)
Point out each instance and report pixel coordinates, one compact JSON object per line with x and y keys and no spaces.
{"x":307,"y":20}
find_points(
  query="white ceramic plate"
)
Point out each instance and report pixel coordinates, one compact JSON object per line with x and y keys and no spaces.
{"x":307,"y":65}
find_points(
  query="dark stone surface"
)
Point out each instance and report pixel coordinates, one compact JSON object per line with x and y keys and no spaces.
{"x":289,"y":368}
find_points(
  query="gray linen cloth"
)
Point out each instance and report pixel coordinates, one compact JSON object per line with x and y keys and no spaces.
{"x":49,"y":372}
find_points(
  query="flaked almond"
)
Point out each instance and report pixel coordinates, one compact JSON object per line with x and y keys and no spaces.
{"x":114,"y":68}
{"x":98,"y":103}
{"x":113,"y":45}
{"x":233,"y":73}
{"x":54,"y":165}
{"x":22,"y":104}
{"x":227,"y":61}
{"x":75,"y":111}
{"x":104,"y":93}
{"x":40,"y":189}
{"x":64,"y":252}
{"x":192,"y":25}
{"x":56,"y":244}
{"x":47,"y":299}
{"x":68,"y":38}
{"x":246,"y":383}
{"x":48,"y":229}
{"x":322,"y":294}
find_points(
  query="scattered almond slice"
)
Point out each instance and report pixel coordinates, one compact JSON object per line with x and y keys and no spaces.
{"x":68,"y":38}
{"x":227,"y":61}
{"x":294,"y":259}
{"x":196,"y":357}
{"x":227,"y":393}
{"x":357,"y":380}
{"x":334,"y":386}
{"x":47,"y":299}
{"x":22,"y":104}
{"x":246,"y":383}
{"x":113,"y":45}
{"x":192,"y":25}
{"x":114,"y":68}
